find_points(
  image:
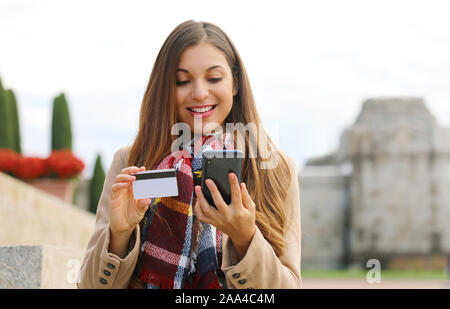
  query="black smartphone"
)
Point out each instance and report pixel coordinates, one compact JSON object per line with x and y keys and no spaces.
{"x":216,"y":164}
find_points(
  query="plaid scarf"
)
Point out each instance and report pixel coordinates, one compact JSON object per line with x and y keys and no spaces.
{"x":177,"y":250}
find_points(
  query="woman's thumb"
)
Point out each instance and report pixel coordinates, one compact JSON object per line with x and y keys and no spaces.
{"x":143,"y":204}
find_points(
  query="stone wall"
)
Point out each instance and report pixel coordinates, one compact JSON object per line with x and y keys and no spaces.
{"x":31,"y":217}
{"x":41,"y":236}
{"x":440,"y":187}
{"x":82,"y":194}
{"x":398,"y":181}
{"x":323,"y":200}
{"x":399,"y":188}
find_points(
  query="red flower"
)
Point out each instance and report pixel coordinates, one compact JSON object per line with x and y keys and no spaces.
{"x":8,"y":160}
{"x":61,"y":163}
{"x":30,"y":168}
{"x":64,"y":164}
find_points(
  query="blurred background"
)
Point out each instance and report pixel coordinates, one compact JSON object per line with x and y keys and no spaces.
{"x":356,"y":92}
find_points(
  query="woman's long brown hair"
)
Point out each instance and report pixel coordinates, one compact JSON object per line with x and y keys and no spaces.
{"x":267,"y":187}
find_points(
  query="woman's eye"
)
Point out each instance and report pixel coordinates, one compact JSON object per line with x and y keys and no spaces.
{"x":183,"y":82}
{"x":211,"y":80}
{"x":215,"y":80}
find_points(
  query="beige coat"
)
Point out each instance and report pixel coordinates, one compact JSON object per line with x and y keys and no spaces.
{"x":260,"y":268}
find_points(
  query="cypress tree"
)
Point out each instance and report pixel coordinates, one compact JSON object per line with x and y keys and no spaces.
{"x":15,"y":128}
{"x":96,"y":185}
{"x":61,"y":127}
{"x":6,"y":140}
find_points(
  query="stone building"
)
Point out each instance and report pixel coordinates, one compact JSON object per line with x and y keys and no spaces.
{"x":383,"y":194}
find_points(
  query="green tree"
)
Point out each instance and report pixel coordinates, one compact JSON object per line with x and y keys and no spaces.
{"x":6,"y":138}
{"x":96,"y":185}
{"x":61,"y":127}
{"x":14,"y":120}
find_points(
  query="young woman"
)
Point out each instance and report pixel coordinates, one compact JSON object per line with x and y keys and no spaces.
{"x":183,"y":242}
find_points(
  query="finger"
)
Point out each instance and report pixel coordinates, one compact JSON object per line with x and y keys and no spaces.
{"x":209,"y":212}
{"x":125,"y":178}
{"x":246,"y":198}
{"x":143,"y":203}
{"x":236,"y":197}
{"x":198,"y":211}
{"x":222,"y":207}
{"x":117,"y":188}
{"x":131,"y":169}
{"x":130,"y":191}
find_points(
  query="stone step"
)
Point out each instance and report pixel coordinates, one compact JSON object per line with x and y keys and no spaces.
{"x":39,"y":267}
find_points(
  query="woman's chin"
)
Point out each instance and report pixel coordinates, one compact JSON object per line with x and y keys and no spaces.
{"x":206,"y":128}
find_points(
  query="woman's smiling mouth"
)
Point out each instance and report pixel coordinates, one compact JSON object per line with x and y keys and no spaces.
{"x":201,"y":111}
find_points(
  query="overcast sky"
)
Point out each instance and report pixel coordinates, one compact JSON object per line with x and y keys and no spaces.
{"x":311,"y":64}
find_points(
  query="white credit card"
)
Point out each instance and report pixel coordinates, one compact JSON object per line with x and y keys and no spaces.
{"x":155,"y":183}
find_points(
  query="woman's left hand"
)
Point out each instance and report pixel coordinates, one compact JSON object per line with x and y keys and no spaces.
{"x":237,"y":220}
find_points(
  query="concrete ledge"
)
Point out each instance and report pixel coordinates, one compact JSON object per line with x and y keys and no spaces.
{"x":20,"y":267}
{"x":39,"y":267}
{"x":29,"y":216}
{"x":42,"y":238}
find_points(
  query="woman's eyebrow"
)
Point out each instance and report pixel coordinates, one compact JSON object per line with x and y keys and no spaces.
{"x":213,"y":67}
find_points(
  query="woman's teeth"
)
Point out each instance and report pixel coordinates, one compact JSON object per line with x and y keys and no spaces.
{"x":201,"y":110}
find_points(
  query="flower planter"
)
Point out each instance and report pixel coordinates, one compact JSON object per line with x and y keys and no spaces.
{"x":55,"y":175}
{"x":61,"y":188}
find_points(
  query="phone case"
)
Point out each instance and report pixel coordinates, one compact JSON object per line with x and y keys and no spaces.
{"x":216,"y":164}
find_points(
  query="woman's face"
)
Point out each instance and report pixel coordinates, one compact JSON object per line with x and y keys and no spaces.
{"x":204,"y":87}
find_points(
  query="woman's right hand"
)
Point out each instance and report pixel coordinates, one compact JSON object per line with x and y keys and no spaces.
{"x":124,"y":211}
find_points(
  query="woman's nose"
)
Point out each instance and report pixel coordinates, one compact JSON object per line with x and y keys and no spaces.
{"x":200,"y":91}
